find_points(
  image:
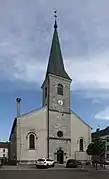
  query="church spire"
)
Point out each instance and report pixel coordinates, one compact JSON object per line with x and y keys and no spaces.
{"x":55,"y":64}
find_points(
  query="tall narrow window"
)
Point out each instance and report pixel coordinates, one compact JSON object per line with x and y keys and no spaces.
{"x":108,"y":139}
{"x":31,"y":141}
{"x":107,"y":147}
{"x":81,"y":145}
{"x":45,"y":92}
{"x":60,"y":89}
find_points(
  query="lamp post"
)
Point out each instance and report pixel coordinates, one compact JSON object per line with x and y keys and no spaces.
{"x":18,"y":100}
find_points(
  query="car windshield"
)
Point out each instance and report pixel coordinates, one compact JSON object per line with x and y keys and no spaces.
{"x":41,"y":160}
{"x":71,"y":160}
{"x":49,"y":159}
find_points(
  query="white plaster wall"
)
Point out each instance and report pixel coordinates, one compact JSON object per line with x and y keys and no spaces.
{"x":35,"y":122}
{"x":1,"y":152}
{"x":79,"y":130}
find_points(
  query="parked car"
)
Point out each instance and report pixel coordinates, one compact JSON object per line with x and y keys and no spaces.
{"x":71,"y":163}
{"x":46,"y":163}
{"x":107,"y":161}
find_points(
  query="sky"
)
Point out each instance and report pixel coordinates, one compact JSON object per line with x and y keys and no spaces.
{"x":26,"y":30}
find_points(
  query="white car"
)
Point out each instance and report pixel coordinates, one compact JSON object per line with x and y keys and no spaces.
{"x":43,"y":162}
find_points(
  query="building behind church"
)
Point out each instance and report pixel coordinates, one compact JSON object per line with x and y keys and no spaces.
{"x":104,"y":135}
{"x":4,"y":151}
{"x":53,"y":131}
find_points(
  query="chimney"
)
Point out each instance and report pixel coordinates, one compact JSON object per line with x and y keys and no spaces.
{"x":18,"y":100}
{"x":98,"y":129}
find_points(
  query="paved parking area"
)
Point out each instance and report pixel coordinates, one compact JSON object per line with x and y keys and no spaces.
{"x":57,"y":167}
{"x":57,"y":172}
{"x":31,"y":167}
{"x":53,"y":174}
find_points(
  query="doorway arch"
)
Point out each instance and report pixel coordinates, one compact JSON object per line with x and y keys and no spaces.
{"x":60,"y":156}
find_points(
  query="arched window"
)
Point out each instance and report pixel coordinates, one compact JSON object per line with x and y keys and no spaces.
{"x":81,"y":145}
{"x":31,"y":141}
{"x":60,"y":89}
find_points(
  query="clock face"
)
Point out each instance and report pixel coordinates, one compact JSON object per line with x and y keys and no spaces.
{"x":60,"y":102}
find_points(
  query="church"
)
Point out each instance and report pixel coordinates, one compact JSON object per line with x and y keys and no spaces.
{"x":53,"y":131}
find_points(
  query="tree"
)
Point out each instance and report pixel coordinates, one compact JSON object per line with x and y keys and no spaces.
{"x":96,"y":149}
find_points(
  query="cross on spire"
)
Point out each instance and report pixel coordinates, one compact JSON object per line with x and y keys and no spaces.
{"x":55,"y":25}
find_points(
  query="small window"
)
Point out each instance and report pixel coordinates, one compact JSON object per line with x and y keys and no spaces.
{"x":45,"y":92}
{"x":60,"y":89}
{"x":107,"y":139}
{"x":104,"y":142}
{"x":3,"y":155}
{"x":31,"y":141}
{"x":107,"y":147}
{"x":107,"y":156}
{"x":81,"y":145}
{"x":3,"y":150}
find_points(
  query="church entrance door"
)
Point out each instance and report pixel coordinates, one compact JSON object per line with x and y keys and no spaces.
{"x":60,"y":156}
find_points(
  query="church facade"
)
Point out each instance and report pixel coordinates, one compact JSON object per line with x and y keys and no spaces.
{"x":53,"y":131}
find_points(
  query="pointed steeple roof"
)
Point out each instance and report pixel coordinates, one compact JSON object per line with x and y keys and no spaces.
{"x":55,"y":64}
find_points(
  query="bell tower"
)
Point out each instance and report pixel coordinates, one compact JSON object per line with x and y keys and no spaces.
{"x":56,"y":96}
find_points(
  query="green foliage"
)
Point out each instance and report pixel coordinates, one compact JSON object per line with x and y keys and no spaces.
{"x":97,"y":147}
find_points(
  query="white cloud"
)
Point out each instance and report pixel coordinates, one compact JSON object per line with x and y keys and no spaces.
{"x":85,"y":74}
{"x":25,"y":39}
{"x":103,"y":115}
{"x":90,"y":74}
{"x":94,"y":94}
{"x":95,"y":101}
{"x":29,"y":72}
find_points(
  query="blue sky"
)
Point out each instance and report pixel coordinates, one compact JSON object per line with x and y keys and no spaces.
{"x":26,"y":28}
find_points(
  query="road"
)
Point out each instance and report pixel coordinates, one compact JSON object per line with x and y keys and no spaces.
{"x":59,"y":174}
{"x":54,"y":173}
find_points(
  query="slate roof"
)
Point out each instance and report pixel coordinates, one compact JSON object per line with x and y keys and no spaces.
{"x":101,"y":133}
{"x":4,"y":145}
{"x":55,"y":64}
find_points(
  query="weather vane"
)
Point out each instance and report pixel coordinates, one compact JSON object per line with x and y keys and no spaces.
{"x":55,"y":15}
